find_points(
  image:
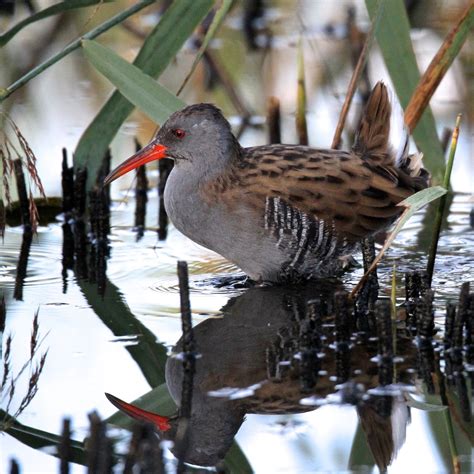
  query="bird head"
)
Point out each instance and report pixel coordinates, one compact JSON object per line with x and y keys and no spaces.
{"x":197,"y":135}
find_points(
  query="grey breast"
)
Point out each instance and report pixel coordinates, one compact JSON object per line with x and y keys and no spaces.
{"x":282,"y":243}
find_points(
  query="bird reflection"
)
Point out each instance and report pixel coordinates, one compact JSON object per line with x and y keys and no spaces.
{"x":284,"y":350}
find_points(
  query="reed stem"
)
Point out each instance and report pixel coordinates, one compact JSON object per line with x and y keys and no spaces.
{"x":442,"y":201}
{"x":336,"y":141}
{"x":301,"y":126}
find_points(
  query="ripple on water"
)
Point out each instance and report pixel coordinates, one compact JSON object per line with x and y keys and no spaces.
{"x":44,"y":265}
{"x":213,"y":276}
{"x":153,"y":260}
{"x":454,"y":261}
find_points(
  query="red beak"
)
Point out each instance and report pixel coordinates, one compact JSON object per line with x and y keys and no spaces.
{"x":161,"y":422}
{"x":153,"y":151}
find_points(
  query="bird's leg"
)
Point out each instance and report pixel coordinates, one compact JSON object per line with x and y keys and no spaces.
{"x":365,"y":302}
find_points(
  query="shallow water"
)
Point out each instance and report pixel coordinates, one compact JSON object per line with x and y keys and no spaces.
{"x":88,"y":356}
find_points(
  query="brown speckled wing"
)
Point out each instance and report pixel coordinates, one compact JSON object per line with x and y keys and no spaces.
{"x":338,"y":187}
{"x":355,"y":193}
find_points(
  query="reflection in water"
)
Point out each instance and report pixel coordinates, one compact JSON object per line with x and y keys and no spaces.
{"x":287,"y":350}
{"x":22,"y":263}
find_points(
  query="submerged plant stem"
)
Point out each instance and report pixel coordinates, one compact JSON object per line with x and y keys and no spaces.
{"x":393,"y":314}
{"x":393,"y":294}
{"x":442,"y":202}
{"x":411,"y":204}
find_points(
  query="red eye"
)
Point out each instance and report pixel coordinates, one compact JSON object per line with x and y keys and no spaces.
{"x":179,"y":133}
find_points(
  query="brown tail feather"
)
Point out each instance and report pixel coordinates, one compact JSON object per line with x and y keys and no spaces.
{"x":372,"y":143}
{"x":374,"y":128}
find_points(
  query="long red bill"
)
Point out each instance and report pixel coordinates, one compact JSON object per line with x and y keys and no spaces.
{"x":153,"y":151}
{"x":161,"y":422}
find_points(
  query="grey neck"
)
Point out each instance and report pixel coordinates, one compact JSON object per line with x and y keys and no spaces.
{"x":205,"y":163}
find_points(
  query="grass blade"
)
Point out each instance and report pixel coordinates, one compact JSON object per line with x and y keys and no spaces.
{"x":38,"y":439}
{"x":47,"y":12}
{"x":442,"y":202}
{"x":412,"y":204}
{"x":211,"y":32}
{"x":360,"y":454}
{"x":452,"y":442}
{"x":236,"y":462}
{"x":139,"y":88}
{"x":161,"y":46}
{"x":6,"y":92}
{"x":438,"y":67}
{"x":393,"y":37}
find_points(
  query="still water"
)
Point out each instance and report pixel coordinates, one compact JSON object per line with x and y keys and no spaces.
{"x":87,"y":354}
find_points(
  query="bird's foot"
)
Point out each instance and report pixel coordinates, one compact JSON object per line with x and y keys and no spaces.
{"x":348,"y":262}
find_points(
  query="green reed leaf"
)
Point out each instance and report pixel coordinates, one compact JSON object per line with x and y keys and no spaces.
{"x":139,"y":88}
{"x":39,"y":439}
{"x":148,"y":353}
{"x":411,"y":204}
{"x":160,"y":47}
{"x":443,"y":201}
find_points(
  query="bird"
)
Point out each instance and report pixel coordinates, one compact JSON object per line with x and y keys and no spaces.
{"x":265,"y":355}
{"x":281,"y":213}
